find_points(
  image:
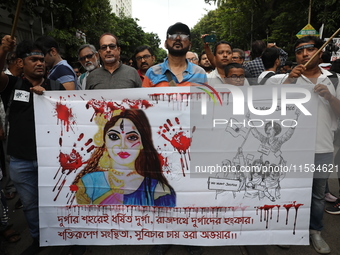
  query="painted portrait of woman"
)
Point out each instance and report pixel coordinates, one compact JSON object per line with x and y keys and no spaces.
{"x":126,"y":169}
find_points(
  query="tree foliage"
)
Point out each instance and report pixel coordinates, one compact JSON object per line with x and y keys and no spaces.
{"x":241,"y":22}
{"x":63,"y":18}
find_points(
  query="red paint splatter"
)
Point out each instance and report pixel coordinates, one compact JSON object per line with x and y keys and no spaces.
{"x":60,"y":141}
{"x":64,"y":114}
{"x":73,"y":187}
{"x":70,"y":161}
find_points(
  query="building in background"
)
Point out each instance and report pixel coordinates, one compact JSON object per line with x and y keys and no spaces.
{"x":124,"y":6}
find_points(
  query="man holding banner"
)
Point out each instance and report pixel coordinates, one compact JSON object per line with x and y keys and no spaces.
{"x":308,"y":72}
{"x":17,"y":94}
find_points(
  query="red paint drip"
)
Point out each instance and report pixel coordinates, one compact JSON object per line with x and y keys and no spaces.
{"x":81,"y":136}
{"x":91,"y":148}
{"x":288,"y":206}
{"x":166,"y":127}
{"x":296,"y":213}
{"x":177,"y":120}
{"x":88,"y":142}
{"x":169,"y":122}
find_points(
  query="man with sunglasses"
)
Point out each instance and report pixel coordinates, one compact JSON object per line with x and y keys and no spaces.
{"x":113,"y":74}
{"x":17,"y":94}
{"x":144,"y":58}
{"x":176,"y":70}
{"x":326,"y":84}
{"x":88,"y":57}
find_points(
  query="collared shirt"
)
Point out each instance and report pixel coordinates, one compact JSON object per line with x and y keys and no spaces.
{"x":327,"y":120}
{"x":156,"y":75}
{"x":123,"y":77}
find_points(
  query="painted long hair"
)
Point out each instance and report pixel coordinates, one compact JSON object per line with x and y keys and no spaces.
{"x":147,"y":163}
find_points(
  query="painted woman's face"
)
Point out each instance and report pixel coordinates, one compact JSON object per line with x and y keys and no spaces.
{"x":123,"y":142}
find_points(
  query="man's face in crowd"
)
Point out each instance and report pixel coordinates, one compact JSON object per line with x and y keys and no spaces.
{"x":108,"y":49}
{"x":88,"y":59}
{"x":223,"y":55}
{"x":192,"y":57}
{"x":235,"y":77}
{"x":178,"y":44}
{"x":144,"y":60}
{"x":205,"y":61}
{"x":236,"y":58}
{"x":302,"y":55}
{"x":50,"y":57}
{"x":34,"y":66}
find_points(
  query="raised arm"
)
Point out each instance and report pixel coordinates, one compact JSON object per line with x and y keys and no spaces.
{"x":7,"y":45}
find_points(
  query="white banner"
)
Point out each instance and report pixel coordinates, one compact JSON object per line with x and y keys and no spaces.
{"x":176,"y":165}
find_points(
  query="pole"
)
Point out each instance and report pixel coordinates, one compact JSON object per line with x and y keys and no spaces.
{"x":323,"y":46}
{"x":16,"y":18}
{"x":309,"y":11}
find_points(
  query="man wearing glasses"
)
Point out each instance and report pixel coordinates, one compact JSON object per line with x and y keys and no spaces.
{"x":145,"y":58}
{"x":176,"y":70}
{"x":113,"y":74}
{"x":89,"y":58}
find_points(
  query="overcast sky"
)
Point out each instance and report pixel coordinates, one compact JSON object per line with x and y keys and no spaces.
{"x":157,"y":15}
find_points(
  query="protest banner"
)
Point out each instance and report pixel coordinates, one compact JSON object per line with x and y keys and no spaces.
{"x":193,"y":166}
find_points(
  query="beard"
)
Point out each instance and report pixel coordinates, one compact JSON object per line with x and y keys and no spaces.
{"x":90,"y":67}
{"x":178,"y":53}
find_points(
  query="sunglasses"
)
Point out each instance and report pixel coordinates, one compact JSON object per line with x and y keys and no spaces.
{"x":88,"y":56}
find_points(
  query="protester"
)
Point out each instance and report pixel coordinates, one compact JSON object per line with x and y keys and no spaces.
{"x":59,"y":69}
{"x":204,"y":62}
{"x":235,"y":74}
{"x":89,"y":59}
{"x":76,"y":70}
{"x":176,"y":70}
{"x":113,"y":74}
{"x":22,"y":145}
{"x":271,"y":61}
{"x":328,"y":110}
{"x":145,"y":58}
{"x":222,"y":56}
{"x":192,"y":57}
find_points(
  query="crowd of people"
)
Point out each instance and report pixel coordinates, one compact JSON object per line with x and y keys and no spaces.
{"x":104,"y":69}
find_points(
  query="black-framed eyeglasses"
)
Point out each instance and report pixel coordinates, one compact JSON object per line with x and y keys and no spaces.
{"x":111,"y":46}
{"x":235,"y":57}
{"x":145,"y":57}
{"x":183,"y":37}
{"x":88,"y":56}
{"x":235,"y":77}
